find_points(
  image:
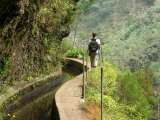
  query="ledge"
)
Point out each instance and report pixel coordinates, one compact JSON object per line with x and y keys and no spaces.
{"x":11,"y":90}
{"x":68,"y":97}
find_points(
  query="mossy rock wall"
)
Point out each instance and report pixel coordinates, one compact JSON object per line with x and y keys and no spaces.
{"x":31,"y":32}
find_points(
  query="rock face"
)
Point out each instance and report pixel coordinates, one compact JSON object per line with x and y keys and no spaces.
{"x":30,"y":31}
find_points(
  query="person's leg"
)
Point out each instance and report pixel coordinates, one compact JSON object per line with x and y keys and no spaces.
{"x":95,"y":60}
{"x":92,"y":60}
{"x":94,"y":66}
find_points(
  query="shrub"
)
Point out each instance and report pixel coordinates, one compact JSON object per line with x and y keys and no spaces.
{"x":75,"y":53}
{"x":136,"y":90}
{"x":112,"y":109}
{"x":65,"y":46}
{"x":156,"y":77}
{"x":127,"y":11}
{"x":126,"y":96}
{"x":148,"y":2}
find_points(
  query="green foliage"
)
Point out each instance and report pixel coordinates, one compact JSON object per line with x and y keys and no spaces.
{"x":75,"y":53}
{"x":132,"y":42}
{"x":29,"y":78}
{"x":127,"y":11}
{"x":84,"y":6}
{"x":106,"y":51}
{"x":156,"y":71}
{"x":33,"y":30}
{"x":127,"y":95}
{"x":100,"y":10}
{"x":144,"y":79}
{"x":106,"y":10}
{"x":65,"y":46}
{"x":136,"y":90}
{"x":46,"y":31}
{"x":138,"y":30}
{"x":113,"y":110}
{"x":4,"y":64}
{"x":149,"y":2}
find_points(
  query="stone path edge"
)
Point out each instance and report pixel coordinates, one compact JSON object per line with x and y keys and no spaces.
{"x":68,"y":96}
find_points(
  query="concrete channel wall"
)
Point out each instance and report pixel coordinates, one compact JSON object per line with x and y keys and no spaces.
{"x":10,"y":91}
{"x":24,"y":84}
{"x":69,"y":96}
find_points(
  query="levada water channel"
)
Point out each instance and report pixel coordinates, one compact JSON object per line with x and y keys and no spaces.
{"x":42,"y":106}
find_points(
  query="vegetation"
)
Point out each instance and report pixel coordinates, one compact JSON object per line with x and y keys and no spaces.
{"x":126,"y":95}
{"x":129,"y":31}
{"x":4,"y":65}
{"x":65,"y":46}
{"x":68,"y":51}
{"x":13,"y":100}
{"x":75,"y":53}
{"x":31,"y":36}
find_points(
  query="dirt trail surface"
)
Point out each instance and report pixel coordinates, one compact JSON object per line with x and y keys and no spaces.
{"x":68,"y":98}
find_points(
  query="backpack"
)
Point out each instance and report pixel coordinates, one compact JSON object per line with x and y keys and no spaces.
{"x":93,"y":46}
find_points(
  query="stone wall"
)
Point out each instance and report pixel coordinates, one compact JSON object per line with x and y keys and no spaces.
{"x":30,"y":31}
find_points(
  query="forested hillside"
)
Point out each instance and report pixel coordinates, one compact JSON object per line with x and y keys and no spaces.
{"x":129,"y":30}
{"x":129,"y":33}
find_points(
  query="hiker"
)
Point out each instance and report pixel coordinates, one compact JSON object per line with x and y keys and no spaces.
{"x":94,"y":50}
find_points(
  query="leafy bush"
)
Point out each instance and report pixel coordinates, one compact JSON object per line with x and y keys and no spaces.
{"x":4,"y":65}
{"x":136,"y":90}
{"x":148,"y":2}
{"x":65,"y":46}
{"x":106,"y":10}
{"x":127,"y":11}
{"x":75,"y":53}
{"x":156,"y":77}
{"x":112,"y":109}
{"x":126,"y":95}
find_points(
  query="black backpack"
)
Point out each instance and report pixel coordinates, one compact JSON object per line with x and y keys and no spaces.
{"x":93,"y":46}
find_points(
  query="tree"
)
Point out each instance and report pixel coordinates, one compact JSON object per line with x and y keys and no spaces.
{"x":83,"y":7}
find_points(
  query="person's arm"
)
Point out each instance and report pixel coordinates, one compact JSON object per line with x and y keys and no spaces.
{"x":99,"y":46}
{"x":98,"y":42}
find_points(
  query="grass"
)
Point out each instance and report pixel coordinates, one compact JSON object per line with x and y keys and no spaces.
{"x":93,"y":96}
{"x":115,"y":101}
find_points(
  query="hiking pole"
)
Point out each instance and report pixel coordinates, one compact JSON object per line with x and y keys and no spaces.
{"x":158,"y":107}
{"x":83,"y":79}
{"x":101,"y":93}
{"x":101,"y":55}
{"x":86,"y":65}
{"x":100,"y":58}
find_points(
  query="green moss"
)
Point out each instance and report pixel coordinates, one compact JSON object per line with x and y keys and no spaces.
{"x":38,"y":34}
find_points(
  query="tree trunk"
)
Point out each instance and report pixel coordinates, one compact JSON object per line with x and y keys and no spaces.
{"x":152,"y":55}
{"x":144,"y":60}
{"x":138,"y":64}
{"x":75,"y":31}
{"x":159,"y":55}
{"x":119,"y":63}
{"x":78,"y":43}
